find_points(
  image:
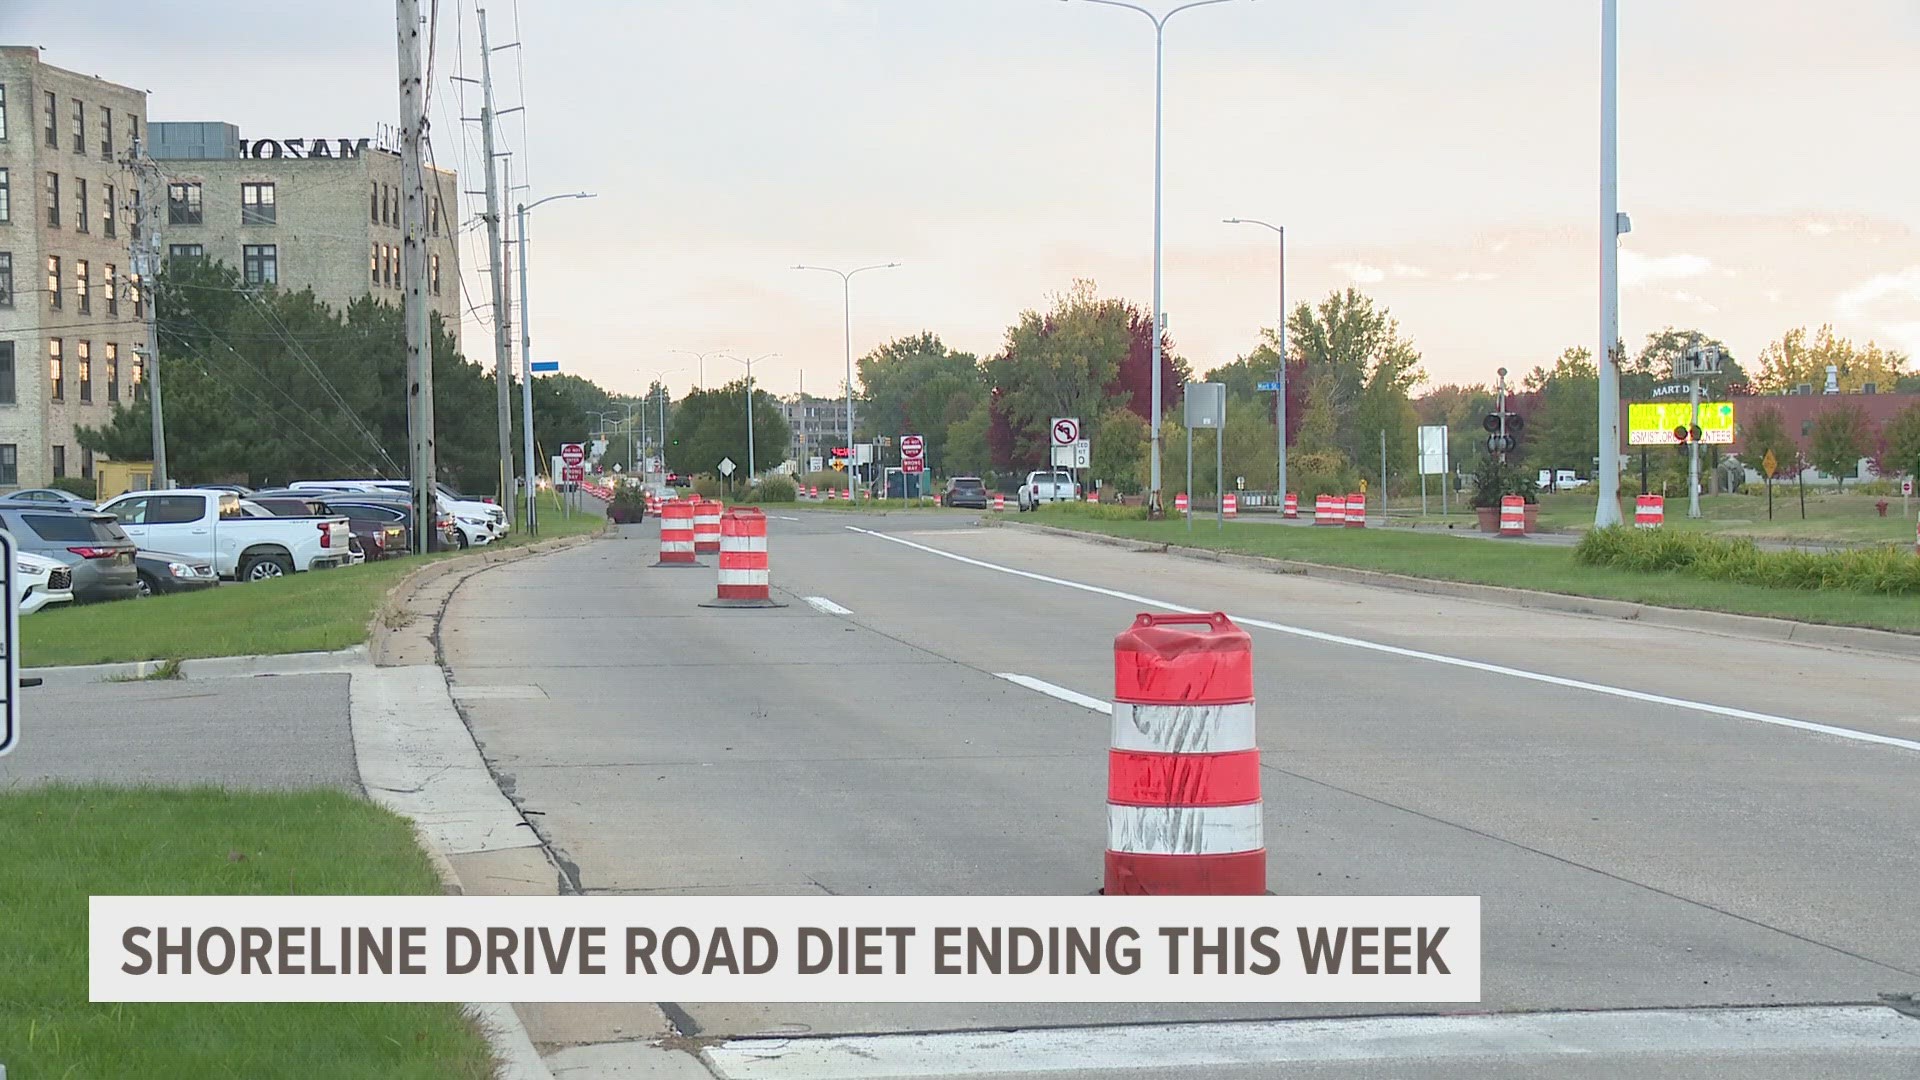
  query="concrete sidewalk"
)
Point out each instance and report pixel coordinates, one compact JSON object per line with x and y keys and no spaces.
{"x":270,"y":732}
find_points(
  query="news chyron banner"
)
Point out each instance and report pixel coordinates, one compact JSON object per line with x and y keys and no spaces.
{"x":785,"y":948}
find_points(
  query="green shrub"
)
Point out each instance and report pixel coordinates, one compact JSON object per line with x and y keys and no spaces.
{"x":774,"y":489}
{"x":84,"y":486}
{"x":1096,"y":511}
{"x":709,"y":487}
{"x":1313,"y":473}
{"x":1883,"y":571}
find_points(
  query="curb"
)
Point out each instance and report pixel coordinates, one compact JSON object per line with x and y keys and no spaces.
{"x":212,"y":667}
{"x":1743,"y":626}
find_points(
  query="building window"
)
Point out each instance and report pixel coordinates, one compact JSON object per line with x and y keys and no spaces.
{"x":133,"y":223}
{"x":373,"y":264}
{"x":110,"y":287}
{"x":387,"y":266}
{"x":81,"y":223}
{"x":257,"y":205}
{"x":373,"y":204}
{"x":260,"y":264}
{"x":53,"y":120}
{"x":138,"y":373}
{"x":185,"y":251}
{"x":86,"y":463}
{"x":108,"y":223}
{"x":6,"y":279}
{"x":436,"y":216}
{"x":113,"y":371}
{"x":53,"y":281}
{"x":83,"y":285}
{"x":433,"y":278}
{"x":53,"y":199}
{"x":83,"y":358}
{"x":79,"y":127}
{"x":133,"y":129}
{"x":6,"y":374}
{"x":57,"y":369}
{"x":139,"y":299}
{"x":106,"y":134}
{"x":3,"y":112}
{"x":6,"y":198}
{"x":183,"y":204}
{"x":59,"y":461}
{"x":9,"y":463}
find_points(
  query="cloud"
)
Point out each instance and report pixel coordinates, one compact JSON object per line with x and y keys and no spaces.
{"x":1902,"y":286}
{"x":1684,"y":297}
{"x":1363,"y":274}
{"x":1402,"y":270}
{"x":1637,"y":270}
{"x":1815,"y":227}
{"x":1475,"y":275}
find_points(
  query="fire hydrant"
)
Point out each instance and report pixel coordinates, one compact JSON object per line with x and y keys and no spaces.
{"x":1882,"y":507}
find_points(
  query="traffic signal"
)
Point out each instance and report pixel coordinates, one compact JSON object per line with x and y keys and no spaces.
{"x":1683,"y":434}
{"x":1507,"y":443}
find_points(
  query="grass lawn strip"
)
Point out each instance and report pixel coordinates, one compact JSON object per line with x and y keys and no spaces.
{"x":1517,"y":566}
{"x":320,"y":611}
{"x":63,"y":844}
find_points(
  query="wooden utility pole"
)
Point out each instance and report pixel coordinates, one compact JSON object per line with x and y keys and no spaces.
{"x":413,"y":276}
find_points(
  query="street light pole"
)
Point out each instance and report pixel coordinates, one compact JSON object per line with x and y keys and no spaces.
{"x":1280,"y":378}
{"x":1607,"y":510}
{"x":846,"y":282}
{"x":660,"y":376}
{"x":1159,"y":327}
{"x":700,"y":372}
{"x":526,"y":364}
{"x":752,"y":470}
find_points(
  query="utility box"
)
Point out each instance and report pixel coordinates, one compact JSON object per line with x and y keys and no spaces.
{"x":116,"y":478}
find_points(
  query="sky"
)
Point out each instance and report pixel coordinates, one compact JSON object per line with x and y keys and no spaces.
{"x":1442,"y":157}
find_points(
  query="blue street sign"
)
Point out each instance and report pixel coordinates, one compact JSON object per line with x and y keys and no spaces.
{"x":1265,"y":387}
{"x":545,"y":365}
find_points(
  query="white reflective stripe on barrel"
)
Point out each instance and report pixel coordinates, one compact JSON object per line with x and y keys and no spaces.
{"x":743,"y":543}
{"x":1184,"y":830}
{"x":1183,"y":729}
{"x":743,"y":577}
{"x":676,"y":545}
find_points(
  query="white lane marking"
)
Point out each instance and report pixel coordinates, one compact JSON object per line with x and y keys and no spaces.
{"x":1073,"y":697}
{"x":1176,"y":1049}
{"x":783,"y":517}
{"x":1437,"y":658}
{"x":825,"y":606}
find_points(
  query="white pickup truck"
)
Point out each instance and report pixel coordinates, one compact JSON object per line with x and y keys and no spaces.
{"x":1042,"y":486}
{"x":209,"y":525}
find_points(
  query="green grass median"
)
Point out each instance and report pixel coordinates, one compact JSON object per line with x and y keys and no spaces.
{"x":1547,"y":568}
{"x":312,"y":612}
{"x":63,"y":844}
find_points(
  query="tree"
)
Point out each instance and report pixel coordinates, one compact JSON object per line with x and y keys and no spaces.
{"x":1903,"y":442}
{"x":1840,"y":439}
{"x":1659,"y":359}
{"x":1764,"y":431}
{"x":1360,"y":368}
{"x":1563,"y":428}
{"x":1076,"y":359}
{"x":1461,"y":409}
{"x":916,"y":385}
{"x":1796,"y":359}
{"x":969,"y":451}
{"x":1120,"y":453}
{"x":1319,"y":426}
{"x":712,"y":424}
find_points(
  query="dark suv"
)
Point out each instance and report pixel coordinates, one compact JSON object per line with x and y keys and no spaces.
{"x":93,"y":545}
{"x":966,"y":491}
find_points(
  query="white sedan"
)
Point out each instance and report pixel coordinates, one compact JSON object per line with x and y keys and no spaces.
{"x":41,"y":581}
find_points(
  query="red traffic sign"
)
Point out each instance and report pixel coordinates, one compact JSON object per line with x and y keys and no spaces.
{"x":573,"y":453}
{"x":574,"y":473}
{"x":912,"y":446}
{"x":1066,"y":431}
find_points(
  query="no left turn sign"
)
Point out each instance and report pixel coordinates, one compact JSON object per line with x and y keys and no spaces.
{"x":1066,"y":431}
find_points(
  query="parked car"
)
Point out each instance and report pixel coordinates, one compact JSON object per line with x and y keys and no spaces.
{"x":372,"y":512}
{"x":41,"y":581}
{"x":49,"y":497}
{"x":91,"y":544}
{"x":375,"y":536}
{"x":164,"y":572}
{"x":1042,"y":486}
{"x":241,"y":490}
{"x":478,"y":521}
{"x":210,"y":525}
{"x":966,"y":491}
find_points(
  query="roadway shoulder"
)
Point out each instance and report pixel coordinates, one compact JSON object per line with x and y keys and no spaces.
{"x":1716,"y":622}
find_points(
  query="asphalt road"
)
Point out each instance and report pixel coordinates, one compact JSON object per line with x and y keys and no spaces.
{"x":1655,"y":819}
